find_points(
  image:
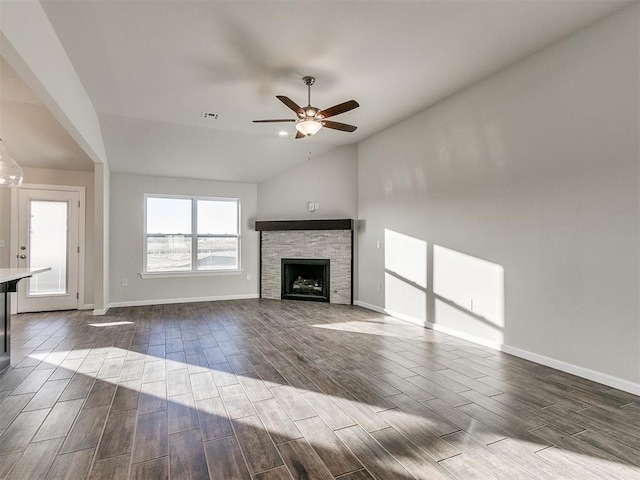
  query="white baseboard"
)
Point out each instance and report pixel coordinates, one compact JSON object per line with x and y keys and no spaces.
{"x":432,"y":326}
{"x":465,"y":336}
{"x":599,"y":377}
{"x":100,"y":311}
{"x":166,"y":301}
{"x":398,"y":315}
{"x":583,"y":372}
{"x":369,"y":306}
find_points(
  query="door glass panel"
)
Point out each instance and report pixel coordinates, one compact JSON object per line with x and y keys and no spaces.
{"x":48,"y":246}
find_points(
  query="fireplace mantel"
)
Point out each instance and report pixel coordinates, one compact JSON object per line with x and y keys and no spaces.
{"x":282,"y":225}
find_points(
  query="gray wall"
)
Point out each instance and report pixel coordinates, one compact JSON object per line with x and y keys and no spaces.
{"x":330,"y":180}
{"x":127,"y":241}
{"x":511,"y":209}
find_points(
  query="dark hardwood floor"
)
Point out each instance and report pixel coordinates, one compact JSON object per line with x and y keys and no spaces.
{"x":270,"y":390}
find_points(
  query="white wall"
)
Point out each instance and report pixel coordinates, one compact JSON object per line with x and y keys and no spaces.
{"x":523,"y":190}
{"x":127,"y":242}
{"x":330,"y":180}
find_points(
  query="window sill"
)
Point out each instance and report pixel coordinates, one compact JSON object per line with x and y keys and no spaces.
{"x":209,"y":273}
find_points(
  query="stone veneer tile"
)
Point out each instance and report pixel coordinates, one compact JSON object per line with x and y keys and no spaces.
{"x":332,"y":244}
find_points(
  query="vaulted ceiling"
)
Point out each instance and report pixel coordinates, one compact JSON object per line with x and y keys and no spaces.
{"x":32,"y":135}
{"x":152,"y":68}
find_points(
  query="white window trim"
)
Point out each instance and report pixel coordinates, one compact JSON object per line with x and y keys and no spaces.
{"x":194,"y":239}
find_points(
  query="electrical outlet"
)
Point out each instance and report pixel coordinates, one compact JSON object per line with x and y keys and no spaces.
{"x":249,"y":276}
{"x":317,"y":206}
{"x":312,"y":206}
{"x":125,"y":282}
{"x":378,"y":244}
{"x":1,"y":243}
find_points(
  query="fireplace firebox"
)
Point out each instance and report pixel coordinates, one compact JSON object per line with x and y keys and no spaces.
{"x":305,"y":279}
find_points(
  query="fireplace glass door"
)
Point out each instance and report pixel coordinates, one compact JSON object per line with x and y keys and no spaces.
{"x":305,"y":279}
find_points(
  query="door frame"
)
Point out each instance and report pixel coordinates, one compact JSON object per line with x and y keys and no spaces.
{"x":13,"y":250}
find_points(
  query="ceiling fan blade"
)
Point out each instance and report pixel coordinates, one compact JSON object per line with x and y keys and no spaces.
{"x":291,"y":104}
{"x":338,"y":109}
{"x":339,"y":126}
{"x":275,"y":120}
{"x":300,"y":135}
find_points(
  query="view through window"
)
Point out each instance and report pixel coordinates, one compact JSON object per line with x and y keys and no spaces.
{"x":191,"y":234}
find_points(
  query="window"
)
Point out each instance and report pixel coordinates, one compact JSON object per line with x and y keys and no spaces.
{"x":189,"y":234}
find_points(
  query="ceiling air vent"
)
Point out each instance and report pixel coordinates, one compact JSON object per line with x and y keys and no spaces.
{"x":212,"y":116}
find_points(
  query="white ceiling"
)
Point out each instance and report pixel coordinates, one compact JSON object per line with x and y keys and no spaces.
{"x":152,"y":68}
{"x":32,"y":136}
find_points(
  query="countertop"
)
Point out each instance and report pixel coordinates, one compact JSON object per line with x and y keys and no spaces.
{"x":9,"y":274}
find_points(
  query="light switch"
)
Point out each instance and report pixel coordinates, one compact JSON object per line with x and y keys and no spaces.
{"x":1,"y":243}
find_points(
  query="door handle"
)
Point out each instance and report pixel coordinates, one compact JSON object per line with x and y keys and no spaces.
{"x":23,"y":256}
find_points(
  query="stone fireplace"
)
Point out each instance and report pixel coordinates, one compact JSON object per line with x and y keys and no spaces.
{"x":292,"y":251}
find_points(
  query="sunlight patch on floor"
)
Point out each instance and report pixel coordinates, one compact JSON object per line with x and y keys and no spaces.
{"x":253,"y":421}
{"x":110,"y":324}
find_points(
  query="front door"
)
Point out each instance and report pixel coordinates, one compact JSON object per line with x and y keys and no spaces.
{"x":48,"y":236}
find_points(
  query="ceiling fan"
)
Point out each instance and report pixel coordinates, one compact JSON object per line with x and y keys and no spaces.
{"x":311,"y":119}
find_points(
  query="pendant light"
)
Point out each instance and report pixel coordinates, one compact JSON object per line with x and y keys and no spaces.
{"x":10,"y":172}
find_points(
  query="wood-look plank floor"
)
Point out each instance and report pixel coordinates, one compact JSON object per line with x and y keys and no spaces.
{"x":263,"y":389}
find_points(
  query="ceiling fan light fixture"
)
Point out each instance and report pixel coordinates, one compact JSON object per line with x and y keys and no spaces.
{"x":308,"y":127}
{"x":311,"y":119}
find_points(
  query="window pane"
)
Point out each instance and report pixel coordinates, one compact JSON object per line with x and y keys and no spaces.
{"x":48,"y":247}
{"x":217,"y":253}
{"x":168,"y":215}
{"x":217,"y":217}
{"x":169,"y":253}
